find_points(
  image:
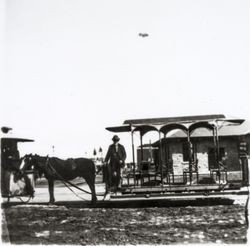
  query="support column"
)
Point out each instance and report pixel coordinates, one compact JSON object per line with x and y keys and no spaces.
{"x":215,"y":150}
{"x":133,"y":155}
{"x":218,"y":151}
{"x":190,"y":158}
{"x":160,"y":158}
{"x":166,"y":159}
{"x":140,"y":165}
{"x":165,"y":152}
{"x":217,"y":147}
{"x":141,"y":146}
{"x":245,"y":170}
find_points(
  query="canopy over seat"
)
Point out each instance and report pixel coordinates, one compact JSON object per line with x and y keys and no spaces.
{"x":163,"y":126}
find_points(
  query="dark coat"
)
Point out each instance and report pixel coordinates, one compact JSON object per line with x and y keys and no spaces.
{"x":114,"y":156}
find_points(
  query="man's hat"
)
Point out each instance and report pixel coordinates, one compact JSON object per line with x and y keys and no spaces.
{"x":6,"y":129}
{"x":115,"y":138}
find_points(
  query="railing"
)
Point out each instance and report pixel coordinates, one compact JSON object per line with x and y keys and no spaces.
{"x":146,"y":175}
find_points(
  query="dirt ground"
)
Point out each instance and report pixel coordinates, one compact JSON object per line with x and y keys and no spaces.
{"x":44,"y":224}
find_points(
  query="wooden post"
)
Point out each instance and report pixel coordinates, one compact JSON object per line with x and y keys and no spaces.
{"x":133,"y":154}
{"x":215,"y":145}
{"x":141,"y":146}
{"x":218,"y":151}
{"x":140,"y":167}
{"x":150,"y":151}
{"x":189,"y":157}
{"x":160,"y":157}
{"x":245,"y":170}
{"x":165,"y":152}
{"x":214,"y":152}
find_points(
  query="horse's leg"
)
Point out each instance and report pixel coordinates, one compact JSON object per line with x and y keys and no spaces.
{"x":91,"y":184}
{"x":106,"y":175}
{"x":51,"y":191}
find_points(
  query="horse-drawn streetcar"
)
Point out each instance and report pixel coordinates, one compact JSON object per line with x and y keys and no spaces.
{"x":193,"y":157}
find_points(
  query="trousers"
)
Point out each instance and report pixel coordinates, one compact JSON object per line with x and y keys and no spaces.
{"x":113,"y":174}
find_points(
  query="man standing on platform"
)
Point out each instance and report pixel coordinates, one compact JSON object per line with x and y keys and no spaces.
{"x":115,"y":159}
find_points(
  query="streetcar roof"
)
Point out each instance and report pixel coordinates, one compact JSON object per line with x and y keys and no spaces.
{"x":17,"y":139}
{"x":167,"y":124}
{"x":167,"y":120}
{"x":124,"y":128}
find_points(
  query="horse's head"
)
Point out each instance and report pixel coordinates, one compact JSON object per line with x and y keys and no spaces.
{"x":38,"y":163}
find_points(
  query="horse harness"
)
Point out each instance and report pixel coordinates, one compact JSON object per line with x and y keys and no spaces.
{"x":65,"y":182}
{"x":49,"y":167}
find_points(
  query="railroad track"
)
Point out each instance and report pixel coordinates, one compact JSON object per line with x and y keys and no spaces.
{"x":130,"y":203}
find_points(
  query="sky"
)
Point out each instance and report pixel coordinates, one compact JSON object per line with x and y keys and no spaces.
{"x":72,"y":68}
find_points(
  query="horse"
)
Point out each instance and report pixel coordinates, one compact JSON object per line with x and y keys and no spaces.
{"x":54,"y":168}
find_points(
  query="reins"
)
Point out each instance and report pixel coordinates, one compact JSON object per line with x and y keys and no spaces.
{"x":65,"y":182}
{"x":27,"y":201}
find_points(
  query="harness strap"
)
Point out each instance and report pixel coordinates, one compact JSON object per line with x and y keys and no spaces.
{"x":26,"y":200}
{"x":82,"y":189}
{"x":65,"y":182}
{"x":47,"y":162}
{"x":60,"y":178}
{"x":73,"y":191}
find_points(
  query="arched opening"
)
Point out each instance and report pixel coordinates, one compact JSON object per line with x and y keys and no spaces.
{"x":205,"y":154}
{"x":146,"y":161}
{"x":166,"y":156}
